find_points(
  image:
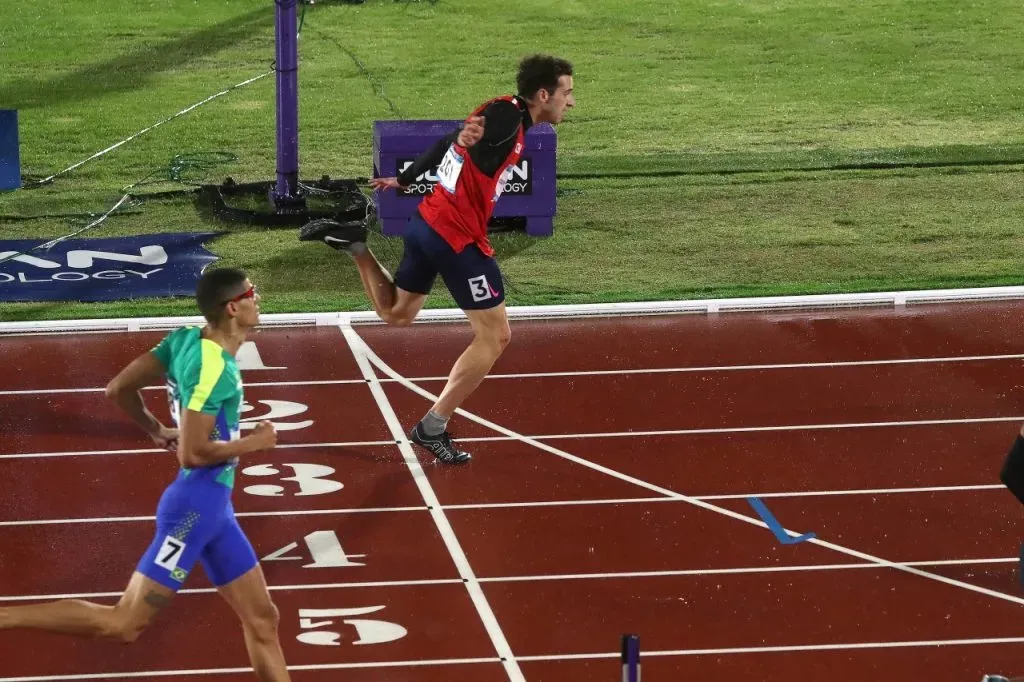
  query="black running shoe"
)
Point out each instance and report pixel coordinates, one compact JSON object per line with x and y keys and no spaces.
{"x":440,"y":445}
{"x":336,"y":235}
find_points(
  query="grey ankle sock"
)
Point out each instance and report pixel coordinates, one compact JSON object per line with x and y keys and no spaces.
{"x":357,"y":249}
{"x":433,"y":424}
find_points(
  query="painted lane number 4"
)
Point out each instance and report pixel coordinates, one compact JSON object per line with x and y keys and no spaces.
{"x":324,"y":548}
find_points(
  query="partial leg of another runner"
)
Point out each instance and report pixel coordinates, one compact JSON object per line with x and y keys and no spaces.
{"x":1012,"y":476}
{"x":1012,"y":473}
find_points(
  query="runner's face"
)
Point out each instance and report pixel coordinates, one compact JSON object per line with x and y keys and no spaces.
{"x":559,"y":101}
{"x":245,"y":307}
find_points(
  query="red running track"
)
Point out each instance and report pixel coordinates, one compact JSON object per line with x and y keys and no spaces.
{"x":882,"y":431}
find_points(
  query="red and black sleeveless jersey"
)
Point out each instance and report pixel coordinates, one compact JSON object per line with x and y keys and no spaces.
{"x":462,"y":201}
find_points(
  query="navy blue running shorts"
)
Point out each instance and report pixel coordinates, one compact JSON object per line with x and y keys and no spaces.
{"x":473,"y":279}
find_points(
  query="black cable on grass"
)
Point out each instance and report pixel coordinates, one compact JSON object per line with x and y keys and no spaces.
{"x":182,"y":169}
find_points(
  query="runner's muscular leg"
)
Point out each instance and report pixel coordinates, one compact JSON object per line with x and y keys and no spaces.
{"x":393,"y":304}
{"x":491,"y":334}
{"x":250,"y":599}
{"x":142,"y":600}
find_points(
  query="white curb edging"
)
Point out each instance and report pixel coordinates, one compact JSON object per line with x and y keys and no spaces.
{"x":707,"y":306}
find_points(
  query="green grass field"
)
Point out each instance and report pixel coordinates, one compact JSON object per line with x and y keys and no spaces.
{"x":753,"y":147}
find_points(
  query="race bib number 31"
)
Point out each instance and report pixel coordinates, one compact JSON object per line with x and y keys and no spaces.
{"x":449,"y":170}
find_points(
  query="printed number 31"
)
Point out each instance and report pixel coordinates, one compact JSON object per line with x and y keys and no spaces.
{"x":449,"y":170}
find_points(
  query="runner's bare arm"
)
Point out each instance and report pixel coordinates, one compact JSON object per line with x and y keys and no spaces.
{"x":195,"y":448}
{"x":125,"y":390}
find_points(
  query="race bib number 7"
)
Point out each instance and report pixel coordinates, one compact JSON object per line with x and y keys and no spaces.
{"x":169,"y":553}
{"x":450,"y":169}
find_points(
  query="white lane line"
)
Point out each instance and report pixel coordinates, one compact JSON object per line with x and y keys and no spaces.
{"x":476,"y":593}
{"x":671,"y":493}
{"x":725,"y":651}
{"x":785,"y":649}
{"x":545,"y":503}
{"x":573,"y":436}
{"x":587,"y":373}
{"x":147,"y":451}
{"x":796,"y":568}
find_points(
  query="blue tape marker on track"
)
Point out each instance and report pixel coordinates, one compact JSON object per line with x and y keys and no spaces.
{"x":776,"y":528}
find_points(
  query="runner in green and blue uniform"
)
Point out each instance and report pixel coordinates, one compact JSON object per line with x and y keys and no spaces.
{"x":195,"y":520}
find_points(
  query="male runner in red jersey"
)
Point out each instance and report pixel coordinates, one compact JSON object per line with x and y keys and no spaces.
{"x":448,"y":234}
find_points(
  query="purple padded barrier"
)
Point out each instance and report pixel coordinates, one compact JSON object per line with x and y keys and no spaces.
{"x":529,"y":191}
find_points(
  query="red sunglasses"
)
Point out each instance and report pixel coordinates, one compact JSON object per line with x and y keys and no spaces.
{"x":248,"y":293}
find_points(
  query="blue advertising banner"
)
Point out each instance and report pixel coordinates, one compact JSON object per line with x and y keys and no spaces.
{"x":107,"y":269}
{"x":10,"y":156}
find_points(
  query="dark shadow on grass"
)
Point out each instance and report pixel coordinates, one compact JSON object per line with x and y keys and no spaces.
{"x":508,"y":245}
{"x":132,"y":70}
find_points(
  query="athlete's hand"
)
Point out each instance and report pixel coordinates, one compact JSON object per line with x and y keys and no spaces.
{"x":384,"y":183}
{"x":264,"y":436}
{"x":165,"y":438}
{"x":471,"y":131}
